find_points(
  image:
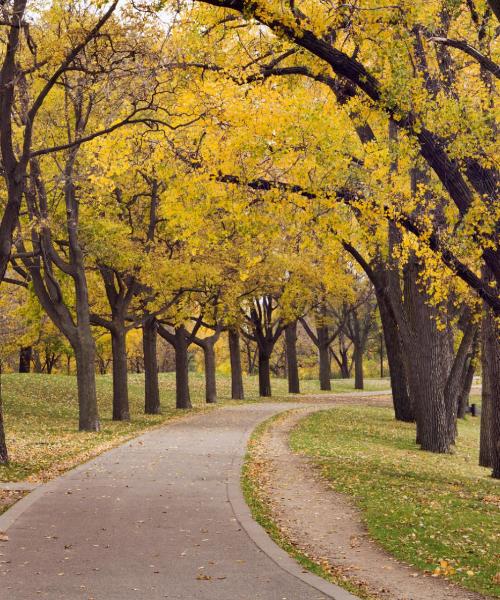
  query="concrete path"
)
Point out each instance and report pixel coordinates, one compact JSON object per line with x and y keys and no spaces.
{"x":160,"y":517}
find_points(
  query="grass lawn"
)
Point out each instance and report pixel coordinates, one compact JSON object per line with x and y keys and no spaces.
{"x":41,"y":417}
{"x":440,"y":513}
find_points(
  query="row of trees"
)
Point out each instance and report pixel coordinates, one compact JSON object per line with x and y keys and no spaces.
{"x":238,"y":167}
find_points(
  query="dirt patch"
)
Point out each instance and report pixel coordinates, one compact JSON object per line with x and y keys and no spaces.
{"x":9,"y":497}
{"x":326,"y":526}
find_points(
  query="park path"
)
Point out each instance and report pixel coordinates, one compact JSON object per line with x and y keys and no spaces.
{"x":159,"y":517}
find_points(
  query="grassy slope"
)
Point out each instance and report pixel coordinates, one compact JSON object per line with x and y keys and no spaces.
{"x":41,"y":417}
{"x":438,"y":512}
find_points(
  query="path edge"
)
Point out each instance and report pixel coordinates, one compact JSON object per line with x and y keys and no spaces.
{"x":263,"y":540}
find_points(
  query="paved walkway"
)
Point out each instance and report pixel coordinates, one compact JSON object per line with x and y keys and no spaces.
{"x":160,"y":517}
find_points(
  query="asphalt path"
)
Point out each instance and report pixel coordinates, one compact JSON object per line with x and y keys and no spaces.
{"x":160,"y":517}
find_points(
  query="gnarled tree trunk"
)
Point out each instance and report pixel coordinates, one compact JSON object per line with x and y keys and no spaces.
{"x":151,"y":388}
{"x":237,"y":392}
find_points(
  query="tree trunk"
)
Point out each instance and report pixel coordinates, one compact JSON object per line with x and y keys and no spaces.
{"x":454,"y":387}
{"x":25,"y":359}
{"x":426,"y":368}
{"x":490,"y":417}
{"x":151,"y":388}
{"x":324,"y":359}
{"x":403,"y":409}
{"x":382,"y":374}
{"x":237,"y":392}
{"x":84,"y":351}
{"x":121,"y":411}
{"x":4,"y":455}
{"x":345,"y":372}
{"x":358,"y":367}
{"x":264,"y":374}
{"x":463,"y":401}
{"x":183,"y":399}
{"x":291,"y":358}
{"x":210,"y":377}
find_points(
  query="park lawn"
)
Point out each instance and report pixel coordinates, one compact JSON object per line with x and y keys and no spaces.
{"x":440,"y":513}
{"x":41,"y":417}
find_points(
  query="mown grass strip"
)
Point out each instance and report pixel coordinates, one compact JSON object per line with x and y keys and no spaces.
{"x":260,"y":509}
{"x":440,"y":513}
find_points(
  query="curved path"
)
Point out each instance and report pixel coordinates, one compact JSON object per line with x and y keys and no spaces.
{"x":159,"y":517}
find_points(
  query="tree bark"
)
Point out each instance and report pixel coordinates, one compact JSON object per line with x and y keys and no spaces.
{"x":210,"y":376}
{"x":425,"y":367}
{"x":25,"y":359}
{"x":237,"y":392}
{"x":291,"y":358}
{"x":121,"y":410}
{"x":489,"y":454}
{"x":463,"y":401}
{"x":324,"y":359}
{"x":84,"y":351}
{"x":454,"y":386}
{"x":4,"y":454}
{"x":403,"y":410}
{"x":183,"y":399}
{"x":151,"y":388}
{"x":358,"y":367}
{"x":264,"y":374}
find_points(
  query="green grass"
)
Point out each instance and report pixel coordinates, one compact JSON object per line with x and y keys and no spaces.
{"x":41,"y":417}
{"x":261,"y":512}
{"x":440,"y":513}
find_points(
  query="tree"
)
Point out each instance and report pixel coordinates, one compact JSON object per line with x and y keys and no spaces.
{"x":264,"y":328}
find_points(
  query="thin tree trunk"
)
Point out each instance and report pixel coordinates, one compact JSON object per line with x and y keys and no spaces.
{"x":403,"y":410}
{"x":237,"y":392}
{"x":358,"y":367}
{"x":183,"y":399}
{"x":454,"y":386}
{"x":121,"y":411}
{"x":264,"y":374}
{"x":85,"y":375}
{"x":324,"y":359}
{"x":344,"y":365}
{"x":25,"y":359}
{"x":463,"y":401}
{"x":151,"y":388}
{"x":210,"y":376}
{"x":381,"y":356}
{"x":4,"y":455}
{"x":291,"y":358}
